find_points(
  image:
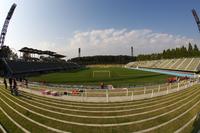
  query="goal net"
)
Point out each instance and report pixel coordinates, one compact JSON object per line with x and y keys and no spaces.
{"x":98,"y":74}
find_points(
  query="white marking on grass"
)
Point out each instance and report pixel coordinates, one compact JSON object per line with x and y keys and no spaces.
{"x":13,"y":121}
{"x":74,"y":104}
{"x":99,"y":125}
{"x":143,"y":107}
{"x":187,"y":124}
{"x":64,"y":104}
{"x":1,"y":127}
{"x":42,"y":125}
{"x":165,"y":123}
{"x":106,"y":117}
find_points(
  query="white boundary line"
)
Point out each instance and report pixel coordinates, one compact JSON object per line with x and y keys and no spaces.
{"x":184,"y":126}
{"x":98,"y":125}
{"x":165,"y":123}
{"x":154,"y":103}
{"x":125,"y":106}
{"x":106,"y":117}
{"x":42,"y":125}
{"x":36,"y":96}
{"x":13,"y":121}
{"x":1,"y":127}
{"x":128,"y":101}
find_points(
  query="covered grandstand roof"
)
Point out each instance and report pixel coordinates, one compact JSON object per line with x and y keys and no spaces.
{"x":36,"y":51}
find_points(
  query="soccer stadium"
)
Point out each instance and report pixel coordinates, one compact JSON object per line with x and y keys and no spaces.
{"x":42,"y":90}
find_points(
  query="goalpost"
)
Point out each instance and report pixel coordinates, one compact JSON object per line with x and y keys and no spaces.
{"x":101,"y":73}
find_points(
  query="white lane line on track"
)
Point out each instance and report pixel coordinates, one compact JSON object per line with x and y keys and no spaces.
{"x":106,"y":117}
{"x":54,"y":99}
{"x":165,"y":123}
{"x":42,"y":125}
{"x":1,"y":127}
{"x":100,"y":125}
{"x":13,"y":121}
{"x":153,"y":103}
{"x":184,"y":126}
{"x":103,"y":111}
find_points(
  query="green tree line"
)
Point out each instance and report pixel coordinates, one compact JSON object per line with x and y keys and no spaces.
{"x":103,"y":59}
{"x":182,"y":52}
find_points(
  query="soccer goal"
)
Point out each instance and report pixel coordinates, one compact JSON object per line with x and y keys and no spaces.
{"x":103,"y":73}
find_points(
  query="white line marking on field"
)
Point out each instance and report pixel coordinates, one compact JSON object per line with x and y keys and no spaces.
{"x":1,"y":127}
{"x":154,"y":103}
{"x":133,"y":106}
{"x":98,"y":125}
{"x":42,"y":125}
{"x":165,"y":123}
{"x":13,"y":121}
{"x":184,"y":126}
{"x":106,"y":117}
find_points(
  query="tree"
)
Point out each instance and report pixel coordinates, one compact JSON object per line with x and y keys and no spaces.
{"x":6,"y":52}
{"x":196,"y":50}
{"x":190,"y":50}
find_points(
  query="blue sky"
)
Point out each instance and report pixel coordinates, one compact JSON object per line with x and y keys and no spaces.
{"x":65,"y":25}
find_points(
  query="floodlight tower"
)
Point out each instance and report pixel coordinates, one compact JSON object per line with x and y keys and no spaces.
{"x":79,"y":52}
{"x":196,"y":18}
{"x":132,"y":51}
{"x":6,"y":23}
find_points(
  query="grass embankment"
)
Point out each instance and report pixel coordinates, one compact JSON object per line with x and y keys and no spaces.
{"x":168,"y":107}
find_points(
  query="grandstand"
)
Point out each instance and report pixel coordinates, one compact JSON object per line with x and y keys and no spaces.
{"x":24,"y":68}
{"x":182,"y":64}
{"x":28,"y":65}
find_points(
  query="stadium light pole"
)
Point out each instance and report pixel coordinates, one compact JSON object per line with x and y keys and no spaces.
{"x":196,"y":17}
{"x":6,"y":23}
{"x":132,"y":51}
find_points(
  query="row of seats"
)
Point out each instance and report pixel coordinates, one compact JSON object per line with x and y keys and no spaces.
{"x":183,"y":64}
{"x":17,"y":67}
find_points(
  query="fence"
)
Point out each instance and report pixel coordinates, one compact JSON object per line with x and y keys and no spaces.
{"x":117,"y":94}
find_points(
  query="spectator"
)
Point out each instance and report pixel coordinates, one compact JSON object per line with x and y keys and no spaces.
{"x":10,"y":85}
{"x":5,"y":83}
{"x":15,"y":87}
{"x":102,"y":85}
{"x":26,"y":83}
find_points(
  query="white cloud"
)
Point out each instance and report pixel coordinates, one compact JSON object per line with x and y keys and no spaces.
{"x":116,"y":42}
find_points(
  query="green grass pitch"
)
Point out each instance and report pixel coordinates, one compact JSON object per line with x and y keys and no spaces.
{"x":118,"y":76}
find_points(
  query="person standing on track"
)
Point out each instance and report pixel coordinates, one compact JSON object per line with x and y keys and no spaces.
{"x":10,"y":85}
{"x":15,"y":89}
{"x":5,"y":83}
